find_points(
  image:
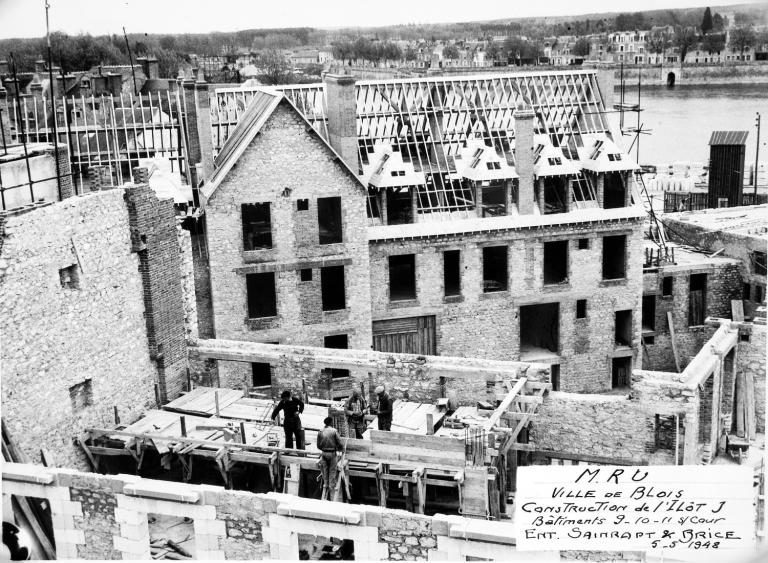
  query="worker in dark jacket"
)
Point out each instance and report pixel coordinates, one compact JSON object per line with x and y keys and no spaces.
{"x":292,"y":407}
{"x":329,"y":443}
{"x":384,"y":409}
{"x":354,"y":408}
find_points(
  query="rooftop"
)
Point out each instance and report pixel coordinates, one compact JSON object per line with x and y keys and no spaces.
{"x":749,"y":220}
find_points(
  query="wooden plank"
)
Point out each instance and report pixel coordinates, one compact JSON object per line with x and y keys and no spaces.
{"x":494,"y":418}
{"x":749,"y":407}
{"x":740,"y":404}
{"x":434,"y":443}
{"x":673,"y":339}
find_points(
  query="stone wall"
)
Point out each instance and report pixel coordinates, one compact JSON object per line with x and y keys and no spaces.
{"x":696,"y":74}
{"x":55,"y":337}
{"x":155,"y":239}
{"x":285,"y":163}
{"x":724,"y":283}
{"x":751,"y":360}
{"x":188,"y":283}
{"x":105,"y":517}
{"x":405,"y":375}
{"x":487,"y":325}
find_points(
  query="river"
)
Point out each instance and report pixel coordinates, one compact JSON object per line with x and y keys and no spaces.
{"x":681,"y":120}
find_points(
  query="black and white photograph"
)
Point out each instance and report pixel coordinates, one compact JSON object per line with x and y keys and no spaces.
{"x":383,"y":281}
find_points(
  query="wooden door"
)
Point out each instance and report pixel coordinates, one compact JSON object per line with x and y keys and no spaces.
{"x":412,"y":335}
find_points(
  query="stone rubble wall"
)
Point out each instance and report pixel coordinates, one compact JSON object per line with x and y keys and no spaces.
{"x":286,"y":162}
{"x":417,"y":378}
{"x":54,"y":338}
{"x":487,"y":325}
{"x":105,"y":517}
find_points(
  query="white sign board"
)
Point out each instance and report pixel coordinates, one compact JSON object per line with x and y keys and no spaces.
{"x":642,"y":508}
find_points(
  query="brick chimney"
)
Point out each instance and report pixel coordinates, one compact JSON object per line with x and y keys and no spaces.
{"x":524,"y":123}
{"x":11,"y":86}
{"x":151,"y":68}
{"x":607,"y":81}
{"x":341,"y":101}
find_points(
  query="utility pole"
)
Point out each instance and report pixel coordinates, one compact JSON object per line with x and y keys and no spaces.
{"x":53,"y":101}
{"x":130,"y":58}
{"x":757,"y":154}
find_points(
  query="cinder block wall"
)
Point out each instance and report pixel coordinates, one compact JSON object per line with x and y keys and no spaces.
{"x":286,"y":162}
{"x":105,"y":517}
{"x":487,"y":324}
{"x":54,"y":338}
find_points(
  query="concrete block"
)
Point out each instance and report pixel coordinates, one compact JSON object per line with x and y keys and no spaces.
{"x":129,"y":516}
{"x":63,"y":521}
{"x":71,"y":536}
{"x":132,"y":546}
{"x":162,"y":490}
{"x":69,"y":507}
{"x":211,"y":555}
{"x":206,"y":542}
{"x":135,"y":531}
{"x":210,"y":527}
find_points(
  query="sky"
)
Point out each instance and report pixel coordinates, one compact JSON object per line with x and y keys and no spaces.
{"x":26,"y":18}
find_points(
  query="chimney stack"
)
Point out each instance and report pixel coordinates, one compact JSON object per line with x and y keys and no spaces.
{"x":341,"y":101}
{"x":607,"y":82}
{"x":524,"y":123}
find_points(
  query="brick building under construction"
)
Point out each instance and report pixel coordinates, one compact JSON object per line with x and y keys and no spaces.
{"x":476,"y":244}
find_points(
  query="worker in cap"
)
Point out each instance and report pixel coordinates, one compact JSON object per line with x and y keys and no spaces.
{"x":354,"y":408}
{"x":292,"y":407}
{"x":329,"y":443}
{"x":384,"y":410}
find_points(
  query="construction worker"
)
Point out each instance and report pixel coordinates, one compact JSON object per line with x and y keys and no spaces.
{"x":384,"y":409}
{"x":329,"y":444}
{"x":292,"y":407}
{"x":354,"y":408}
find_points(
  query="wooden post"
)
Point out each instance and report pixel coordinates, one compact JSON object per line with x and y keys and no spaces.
{"x":740,"y":409}
{"x":304,"y":394}
{"x":677,"y":439}
{"x":674,"y":340}
{"x":430,"y":424}
{"x":242,"y":432}
{"x":183,"y":423}
{"x":157,"y":395}
{"x":216,"y":400}
{"x":117,"y":416}
{"x":189,"y":381}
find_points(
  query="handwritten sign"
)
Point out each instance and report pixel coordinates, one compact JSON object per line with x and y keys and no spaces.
{"x":656,"y":508}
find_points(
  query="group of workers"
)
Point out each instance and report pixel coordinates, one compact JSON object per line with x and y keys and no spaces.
{"x":328,"y":439}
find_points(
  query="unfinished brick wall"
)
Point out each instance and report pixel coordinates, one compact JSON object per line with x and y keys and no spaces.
{"x":155,"y":240}
{"x":724,"y":283}
{"x":487,"y":325}
{"x":55,"y":337}
{"x":188,"y":283}
{"x":285,"y":163}
{"x":239,"y":525}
